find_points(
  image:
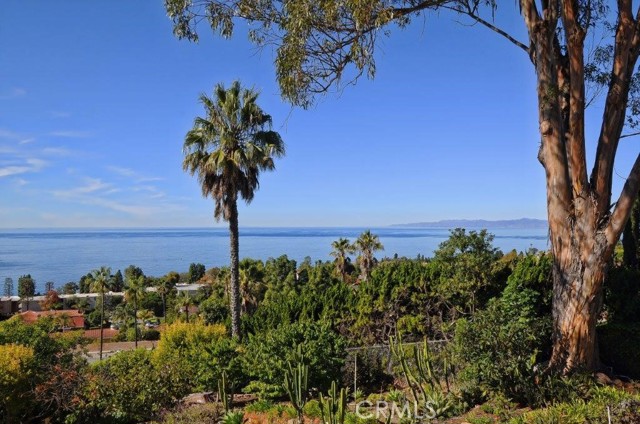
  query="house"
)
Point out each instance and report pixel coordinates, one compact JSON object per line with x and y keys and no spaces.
{"x":9,"y":305}
{"x":69,"y":318}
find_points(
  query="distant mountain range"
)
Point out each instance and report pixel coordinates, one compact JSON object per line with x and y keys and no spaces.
{"x":522,"y":223}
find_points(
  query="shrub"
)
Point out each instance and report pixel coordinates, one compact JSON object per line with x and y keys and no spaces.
{"x":17,"y":366}
{"x":499,"y":347}
{"x":620,"y":347}
{"x":129,"y":387}
{"x":205,"y":350}
{"x":207,"y":413}
{"x":268,"y":353}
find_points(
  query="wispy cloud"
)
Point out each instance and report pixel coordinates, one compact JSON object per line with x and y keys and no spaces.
{"x":57,"y":151}
{"x":27,"y":141}
{"x":9,"y":135}
{"x":132,"y":174}
{"x":71,"y":134}
{"x":13,"y":93}
{"x":91,"y":185}
{"x":123,"y":172}
{"x":28,"y":165}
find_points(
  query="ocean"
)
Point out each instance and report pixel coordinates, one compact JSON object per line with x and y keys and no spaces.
{"x":63,"y":255}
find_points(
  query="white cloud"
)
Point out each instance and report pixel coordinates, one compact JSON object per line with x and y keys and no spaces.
{"x":57,"y":151}
{"x":91,"y":185}
{"x":8,"y":134}
{"x":28,"y":165}
{"x":71,"y":134}
{"x":27,"y":141}
{"x":13,"y":93}
{"x":124,"y":172}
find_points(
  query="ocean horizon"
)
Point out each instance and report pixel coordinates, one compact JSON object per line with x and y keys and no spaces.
{"x":61,"y":255}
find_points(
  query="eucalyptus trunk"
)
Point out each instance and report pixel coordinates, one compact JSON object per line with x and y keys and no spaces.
{"x":583,"y":229}
{"x":234,"y":295}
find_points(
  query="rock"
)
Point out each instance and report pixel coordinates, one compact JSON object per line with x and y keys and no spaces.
{"x":603,"y":379}
{"x":198,"y":398}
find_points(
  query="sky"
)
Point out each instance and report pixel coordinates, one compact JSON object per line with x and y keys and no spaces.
{"x":96,"y":98}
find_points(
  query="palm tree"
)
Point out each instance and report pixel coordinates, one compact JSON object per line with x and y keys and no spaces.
{"x":228,"y":149}
{"x":367,"y":244}
{"x":183,"y":303}
{"x":164,"y":286}
{"x":341,"y":250}
{"x":99,"y":282}
{"x":133,"y":291}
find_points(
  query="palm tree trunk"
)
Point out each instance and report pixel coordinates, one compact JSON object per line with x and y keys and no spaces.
{"x":102,"y":325}
{"x":235,"y":280}
{"x":135,"y":322}
{"x":164,"y":307}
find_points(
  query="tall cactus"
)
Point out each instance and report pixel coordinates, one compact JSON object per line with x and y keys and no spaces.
{"x":296,"y":384}
{"x":225,"y":392}
{"x":424,"y":384}
{"x":334,"y":407}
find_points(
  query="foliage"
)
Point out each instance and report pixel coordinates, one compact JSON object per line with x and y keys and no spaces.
{"x":8,"y":287}
{"x":52,"y":301}
{"x":205,"y":350}
{"x":268,"y":353}
{"x":620,"y":347}
{"x":206,"y":413}
{"x":17,"y":366}
{"x":372,"y":375}
{"x":367,"y":244}
{"x":130,"y":387}
{"x":214,"y":310}
{"x":196,"y":272}
{"x":624,"y":408}
{"x":622,"y":294}
{"x":26,"y":286}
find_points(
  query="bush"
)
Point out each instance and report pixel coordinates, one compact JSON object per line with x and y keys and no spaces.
{"x":499,"y":347}
{"x":268,"y":353}
{"x":205,"y":350}
{"x":17,"y":367}
{"x":130,"y":387}
{"x":620,"y":348}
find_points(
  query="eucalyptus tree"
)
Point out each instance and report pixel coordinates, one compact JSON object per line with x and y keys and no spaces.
{"x":134,"y":290}
{"x":99,"y":282}
{"x":342,"y":248}
{"x":585,"y":222}
{"x":227,"y":149}
{"x":367,"y":245}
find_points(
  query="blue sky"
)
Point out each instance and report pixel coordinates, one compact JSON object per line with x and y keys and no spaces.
{"x":96,"y":97}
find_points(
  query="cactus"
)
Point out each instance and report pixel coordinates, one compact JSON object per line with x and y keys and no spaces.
{"x":334,"y":407}
{"x":296,"y":384}
{"x":424,"y":384}
{"x":225,"y":392}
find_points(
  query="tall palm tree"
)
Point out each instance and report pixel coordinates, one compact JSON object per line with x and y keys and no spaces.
{"x":341,"y":250}
{"x":134,"y":290}
{"x":227,"y":149}
{"x":99,"y":282}
{"x":367,"y":244}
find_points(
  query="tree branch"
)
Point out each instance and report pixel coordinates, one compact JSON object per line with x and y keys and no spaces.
{"x":489,"y":25}
{"x":621,"y":213}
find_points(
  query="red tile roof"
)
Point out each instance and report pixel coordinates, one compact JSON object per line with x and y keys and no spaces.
{"x":75,"y":317}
